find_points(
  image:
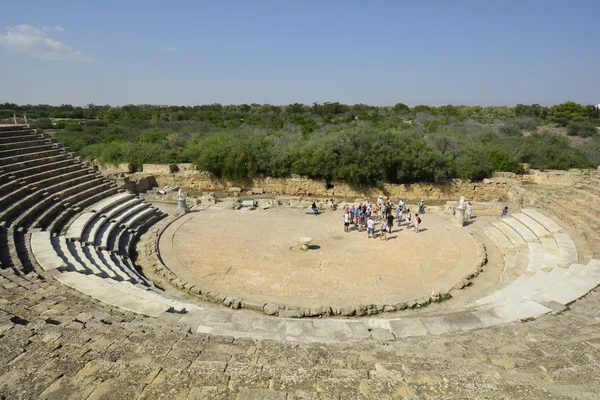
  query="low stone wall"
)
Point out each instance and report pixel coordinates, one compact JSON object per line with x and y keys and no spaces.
{"x":187,"y":178}
{"x":502,"y":187}
{"x":154,"y":261}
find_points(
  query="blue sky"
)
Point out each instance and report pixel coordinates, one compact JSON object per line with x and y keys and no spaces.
{"x":280,"y":52}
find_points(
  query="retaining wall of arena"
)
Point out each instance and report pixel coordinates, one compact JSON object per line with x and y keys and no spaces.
{"x":503,"y":186}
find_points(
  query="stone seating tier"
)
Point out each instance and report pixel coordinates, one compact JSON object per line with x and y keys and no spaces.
{"x":24,"y":142}
{"x":78,"y":200}
{"x":25,"y":148}
{"x":22,"y":168}
{"x":24,"y":158}
{"x":59,"y":179}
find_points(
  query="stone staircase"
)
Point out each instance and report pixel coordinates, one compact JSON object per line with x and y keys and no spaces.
{"x":71,"y":222}
{"x":544,"y":261}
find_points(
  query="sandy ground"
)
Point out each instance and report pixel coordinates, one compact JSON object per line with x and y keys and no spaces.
{"x":255,"y":255}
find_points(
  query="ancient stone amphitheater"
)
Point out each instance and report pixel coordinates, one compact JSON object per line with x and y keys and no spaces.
{"x":79,"y":320}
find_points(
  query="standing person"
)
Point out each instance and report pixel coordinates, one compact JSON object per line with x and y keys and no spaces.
{"x":314,"y":208}
{"x":469,"y":211}
{"x":352,"y":214}
{"x":371,"y":227}
{"x":383,"y":235}
{"x":383,"y":209}
{"x":504,"y":212}
{"x":421,"y":207}
{"x":359,"y":219}
{"x":398,"y":213}
{"x":346,"y":221}
{"x":408,"y":217}
{"x":390,"y":222}
{"x":402,"y":204}
{"x":417,"y":222}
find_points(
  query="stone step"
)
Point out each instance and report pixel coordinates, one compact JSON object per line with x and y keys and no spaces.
{"x":116,"y":209}
{"x":531,"y":224}
{"x":77,"y":252}
{"x":566,"y":289}
{"x":8,"y":162}
{"x":44,"y":253}
{"x":105,"y":231}
{"x":24,"y":137}
{"x":9,"y":132}
{"x":109,"y":202}
{"x":133,"y":219}
{"x":62,"y":249}
{"x":567,"y":249}
{"x":543,"y":220}
{"x":92,"y":257}
{"x":536,"y":258}
{"x":41,"y":201}
{"x":115,"y":295}
{"x":527,"y":235}
{"x":52,"y":163}
{"x":81,"y":198}
{"x":22,"y":144}
{"x":511,"y":234}
{"x":16,"y":153}
{"x":551,"y":253}
{"x":23,"y":167}
{"x":105,"y":258}
{"x":76,"y":228}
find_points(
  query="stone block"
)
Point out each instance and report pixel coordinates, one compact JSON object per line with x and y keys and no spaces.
{"x":253,"y":305}
{"x":271,"y":308}
{"x":257,"y":190}
{"x":290,"y":313}
{"x":347,"y":311}
{"x":234,"y":189}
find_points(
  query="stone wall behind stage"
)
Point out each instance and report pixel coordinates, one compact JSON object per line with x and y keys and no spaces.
{"x":503,"y":186}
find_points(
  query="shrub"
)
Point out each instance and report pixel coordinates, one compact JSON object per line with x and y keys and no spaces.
{"x":44,"y":123}
{"x":582,"y":128}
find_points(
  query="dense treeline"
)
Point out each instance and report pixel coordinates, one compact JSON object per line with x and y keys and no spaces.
{"x":359,"y":144}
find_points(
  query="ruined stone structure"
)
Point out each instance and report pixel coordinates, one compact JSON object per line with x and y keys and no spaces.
{"x":79,"y":320}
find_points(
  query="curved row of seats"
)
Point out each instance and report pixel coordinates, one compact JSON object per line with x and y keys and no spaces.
{"x":543,"y":259}
{"x":578,"y":206}
{"x":57,"y":213}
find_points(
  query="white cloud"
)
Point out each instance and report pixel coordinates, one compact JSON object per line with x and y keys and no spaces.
{"x":35,"y":42}
{"x":166,"y":48}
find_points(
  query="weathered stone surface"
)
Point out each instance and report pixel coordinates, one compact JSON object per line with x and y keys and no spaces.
{"x":253,"y":305}
{"x":290,"y":313}
{"x":271,"y":309}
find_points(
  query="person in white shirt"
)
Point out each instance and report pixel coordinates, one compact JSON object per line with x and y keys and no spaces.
{"x":371,"y":228}
{"x":346,"y":221}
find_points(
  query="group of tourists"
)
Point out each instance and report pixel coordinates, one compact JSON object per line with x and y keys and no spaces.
{"x":365,"y":215}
